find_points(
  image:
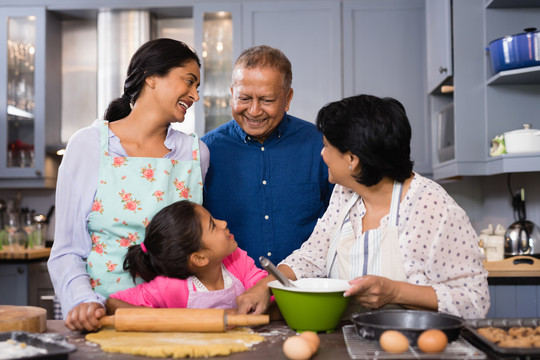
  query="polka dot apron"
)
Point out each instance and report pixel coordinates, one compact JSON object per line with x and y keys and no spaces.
{"x":130,"y":191}
{"x":375,"y":252}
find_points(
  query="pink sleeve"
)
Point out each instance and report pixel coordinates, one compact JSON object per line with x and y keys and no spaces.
{"x":162,"y":292}
{"x":243,"y":267}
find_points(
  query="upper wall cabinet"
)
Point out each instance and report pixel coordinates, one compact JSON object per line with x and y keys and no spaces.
{"x":486,"y":104}
{"x":309,"y":34}
{"x":439,"y":42}
{"x":29,"y":96}
{"x":384,"y":55}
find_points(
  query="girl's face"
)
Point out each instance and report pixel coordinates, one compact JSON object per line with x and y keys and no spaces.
{"x":176,"y":92}
{"x":217,"y":240}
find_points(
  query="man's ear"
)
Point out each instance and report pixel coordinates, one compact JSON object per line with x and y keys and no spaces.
{"x":198,"y":260}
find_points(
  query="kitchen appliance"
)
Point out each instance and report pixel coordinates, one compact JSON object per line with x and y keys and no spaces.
{"x":515,"y":51}
{"x":181,"y":320}
{"x":524,"y":140}
{"x":523,"y":236}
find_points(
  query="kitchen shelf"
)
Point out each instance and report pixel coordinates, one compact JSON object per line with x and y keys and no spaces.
{"x":510,"y":163}
{"x":502,"y":4}
{"x":523,"y":76}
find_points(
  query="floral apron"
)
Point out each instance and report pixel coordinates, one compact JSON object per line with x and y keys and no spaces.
{"x":131,"y":190}
{"x":216,"y":299}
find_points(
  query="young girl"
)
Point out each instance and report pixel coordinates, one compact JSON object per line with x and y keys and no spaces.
{"x":188,"y":260}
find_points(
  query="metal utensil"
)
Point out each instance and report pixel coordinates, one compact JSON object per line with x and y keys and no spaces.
{"x":272,"y":269}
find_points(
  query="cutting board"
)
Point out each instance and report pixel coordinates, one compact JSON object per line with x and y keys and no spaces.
{"x":516,"y":266}
{"x":23,"y":318}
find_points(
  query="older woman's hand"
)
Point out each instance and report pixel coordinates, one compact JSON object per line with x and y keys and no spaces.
{"x":85,"y":317}
{"x":373,"y":291}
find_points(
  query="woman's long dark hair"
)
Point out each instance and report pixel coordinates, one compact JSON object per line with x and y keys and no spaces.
{"x":172,"y":235}
{"x":376,"y":130}
{"x":155,"y":57}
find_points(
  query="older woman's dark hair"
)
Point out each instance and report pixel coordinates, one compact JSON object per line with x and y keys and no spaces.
{"x":172,"y":235}
{"x":155,"y":57}
{"x":376,"y":130}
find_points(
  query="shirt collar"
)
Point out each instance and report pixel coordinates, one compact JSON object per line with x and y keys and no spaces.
{"x":276,"y":135}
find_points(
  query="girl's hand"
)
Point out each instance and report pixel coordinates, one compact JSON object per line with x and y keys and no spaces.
{"x":373,"y":291}
{"x":85,"y":317}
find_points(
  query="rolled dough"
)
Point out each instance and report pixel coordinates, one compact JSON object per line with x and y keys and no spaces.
{"x":177,"y":344}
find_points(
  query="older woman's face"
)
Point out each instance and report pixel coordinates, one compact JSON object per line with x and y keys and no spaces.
{"x":337,"y":162}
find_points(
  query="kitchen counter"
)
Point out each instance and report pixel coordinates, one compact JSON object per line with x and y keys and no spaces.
{"x":332,"y":345}
{"x":25,"y":254}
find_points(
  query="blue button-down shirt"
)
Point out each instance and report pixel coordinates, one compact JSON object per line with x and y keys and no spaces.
{"x":270,"y":194}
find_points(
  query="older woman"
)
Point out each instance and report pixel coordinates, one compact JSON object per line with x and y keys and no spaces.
{"x":396,"y":235}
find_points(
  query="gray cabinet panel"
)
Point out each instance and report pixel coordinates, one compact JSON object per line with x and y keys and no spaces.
{"x":514,"y":301}
{"x":384,"y":55}
{"x":309,"y":34}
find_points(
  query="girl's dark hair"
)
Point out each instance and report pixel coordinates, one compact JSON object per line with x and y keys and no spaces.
{"x":171,"y":237}
{"x":376,"y":130}
{"x":155,"y":57}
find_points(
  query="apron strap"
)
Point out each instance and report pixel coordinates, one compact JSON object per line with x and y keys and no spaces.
{"x":195,"y":148}
{"x":104,"y":143}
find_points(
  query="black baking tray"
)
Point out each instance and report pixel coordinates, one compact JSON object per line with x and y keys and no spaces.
{"x":411,"y":323}
{"x":56,"y":345}
{"x":471,"y":334}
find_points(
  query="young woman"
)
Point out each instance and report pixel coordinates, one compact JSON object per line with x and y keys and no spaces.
{"x":118,"y":173}
{"x":192,"y":263}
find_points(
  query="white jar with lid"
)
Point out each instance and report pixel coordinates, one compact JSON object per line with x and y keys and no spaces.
{"x":492,"y":241}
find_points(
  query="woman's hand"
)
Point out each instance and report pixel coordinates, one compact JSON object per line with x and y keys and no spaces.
{"x":85,"y":317}
{"x":373,"y":291}
{"x":255,"y":300}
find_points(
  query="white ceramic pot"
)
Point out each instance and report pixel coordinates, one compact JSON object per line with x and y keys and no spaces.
{"x":524,"y":140}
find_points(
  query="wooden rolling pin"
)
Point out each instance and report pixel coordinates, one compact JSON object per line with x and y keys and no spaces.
{"x":178,"y":320}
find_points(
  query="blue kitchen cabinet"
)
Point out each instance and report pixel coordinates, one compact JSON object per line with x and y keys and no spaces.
{"x":14,"y":284}
{"x":514,"y":298}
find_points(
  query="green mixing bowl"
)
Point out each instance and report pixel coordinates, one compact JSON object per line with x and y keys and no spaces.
{"x":315,"y":304}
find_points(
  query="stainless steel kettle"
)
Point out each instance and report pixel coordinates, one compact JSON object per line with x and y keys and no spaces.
{"x":522,"y":238}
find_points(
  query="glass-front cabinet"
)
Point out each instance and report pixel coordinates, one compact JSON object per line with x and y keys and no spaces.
{"x":29,"y":89}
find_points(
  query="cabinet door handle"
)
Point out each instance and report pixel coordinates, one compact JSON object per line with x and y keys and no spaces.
{"x":20,"y":270}
{"x":443,"y":70}
{"x":47,"y":297}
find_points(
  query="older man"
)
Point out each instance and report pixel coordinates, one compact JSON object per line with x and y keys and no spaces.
{"x":266,"y":175}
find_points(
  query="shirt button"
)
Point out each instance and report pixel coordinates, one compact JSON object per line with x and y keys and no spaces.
{"x":264,"y":182}
{"x":269,"y":254}
{"x":266,"y":217}
{"x":262,"y":148}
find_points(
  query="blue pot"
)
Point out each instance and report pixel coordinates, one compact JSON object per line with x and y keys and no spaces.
{"x":515,"y":51}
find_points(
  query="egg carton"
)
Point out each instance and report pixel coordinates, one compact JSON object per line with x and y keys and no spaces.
{"x":360,"y":348}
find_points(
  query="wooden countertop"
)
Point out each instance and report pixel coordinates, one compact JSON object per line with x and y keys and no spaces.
{"x":332,"y":345}
{"x":516,"y":266}
{"x":25,"y":254}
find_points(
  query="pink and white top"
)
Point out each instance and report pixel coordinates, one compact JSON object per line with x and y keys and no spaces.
{"x":165,"y":292}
